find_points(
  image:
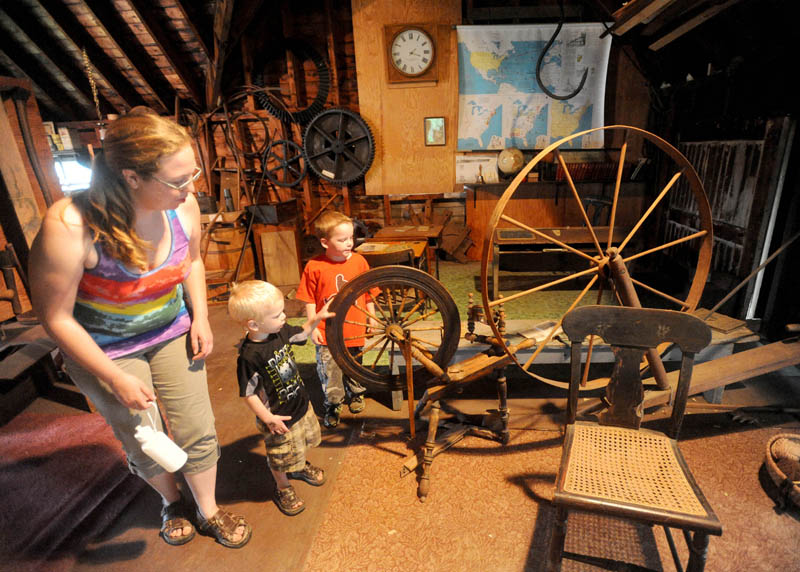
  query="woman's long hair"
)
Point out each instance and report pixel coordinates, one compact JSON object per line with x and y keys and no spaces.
{"x":136,"y":141}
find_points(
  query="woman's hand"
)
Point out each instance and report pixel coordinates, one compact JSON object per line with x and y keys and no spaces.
{"x":202,"y":338}
{"x":131,"y":392}
{"x":316,"y":336}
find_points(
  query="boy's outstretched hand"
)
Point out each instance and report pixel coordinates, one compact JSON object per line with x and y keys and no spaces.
{"x":323,"y":313}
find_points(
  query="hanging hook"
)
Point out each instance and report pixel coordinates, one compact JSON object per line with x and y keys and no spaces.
{"x":541,"y":59}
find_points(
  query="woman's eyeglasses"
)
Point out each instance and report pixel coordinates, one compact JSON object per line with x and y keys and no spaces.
{"x":180,"y":186}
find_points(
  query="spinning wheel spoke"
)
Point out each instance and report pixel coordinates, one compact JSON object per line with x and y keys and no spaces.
{"x":631,"y":227}
{"x":664,"y":246}
{"x":431,"y":329}
{"x":367,"y":314}
{"x":351,"y":322}
{"x":664,"y":295}
{"x":548,"y":238}
{"x":542,"y":287}
{"x":577,"y":198}
{"x":555,"y":328}
{"x":617,"y":184}
{"x":660,"y":196}
{"x":380,"y":353}
{"x":368,"y":348}
{"x":422,"y":317}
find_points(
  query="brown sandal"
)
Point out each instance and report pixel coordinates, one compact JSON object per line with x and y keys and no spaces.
{"x":174,"y":516}
{"x":314,"y":476}
{"x":222,"y":526}
{"x":286,"y":499}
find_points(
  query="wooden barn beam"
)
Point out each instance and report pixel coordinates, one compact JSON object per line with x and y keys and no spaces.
{"x":72,"y":100}
{"x":11,"y":69}
{"x":174,"y":57}
{"x":223,"y":15}
{"x":41,"y":35}
{"x":105,"y":66}
{"x":120,"y":34}
{"x":191,"y":20}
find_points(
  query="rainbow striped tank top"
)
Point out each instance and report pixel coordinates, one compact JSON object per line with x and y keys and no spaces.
{"x":125,"y":311}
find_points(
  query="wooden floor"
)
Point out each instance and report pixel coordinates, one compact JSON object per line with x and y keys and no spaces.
{"x":488,"y":506}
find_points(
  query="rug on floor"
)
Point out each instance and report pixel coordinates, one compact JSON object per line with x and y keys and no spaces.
{"x":489,"y":506}
{"x":62,"y":480}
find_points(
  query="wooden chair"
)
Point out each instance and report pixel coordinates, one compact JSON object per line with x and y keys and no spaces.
{"x":403,"y":257}
{"x":616,"y":468}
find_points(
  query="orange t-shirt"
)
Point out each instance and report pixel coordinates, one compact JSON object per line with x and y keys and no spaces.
{"x":322,"y":279}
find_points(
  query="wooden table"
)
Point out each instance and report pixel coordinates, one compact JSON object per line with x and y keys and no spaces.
{"x":430,"y":233}
{"x":419,"y":247}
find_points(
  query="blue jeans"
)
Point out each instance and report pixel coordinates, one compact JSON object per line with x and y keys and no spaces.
{"x":335,"y":385}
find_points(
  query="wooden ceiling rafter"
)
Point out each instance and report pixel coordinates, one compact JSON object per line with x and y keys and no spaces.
{"x":33,"y":67}
{"x":118,"y":34}
{"x":167,"y":47}
{"x":636,"y":12}
{"x":689,"y":25}
{"x":104,"y":67}
{"x":10,"y":68}
{"x":73,"y":71}
{"x":191,"y":19}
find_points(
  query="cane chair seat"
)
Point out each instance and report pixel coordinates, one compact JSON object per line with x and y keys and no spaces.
{"x":629,"y":470}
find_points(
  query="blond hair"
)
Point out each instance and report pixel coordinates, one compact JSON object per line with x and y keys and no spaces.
{"x":327,"y":221}
{"x":137,"y":141}
{"x":249,"y":299}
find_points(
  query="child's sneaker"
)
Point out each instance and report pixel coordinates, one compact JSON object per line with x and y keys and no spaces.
{"x":332,"y":413}
{"x":356,"y":404}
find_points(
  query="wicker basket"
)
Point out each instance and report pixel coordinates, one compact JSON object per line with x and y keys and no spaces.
{"x":783,"y":465}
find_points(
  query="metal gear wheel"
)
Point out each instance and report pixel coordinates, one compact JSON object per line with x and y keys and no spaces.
{"x":304,"y":52}
{"x":284,"y":163}
{"x":338,"y":146}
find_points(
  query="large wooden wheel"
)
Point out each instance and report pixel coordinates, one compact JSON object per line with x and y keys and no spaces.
{"x":605,"y":276}
{"x":410,"y":306}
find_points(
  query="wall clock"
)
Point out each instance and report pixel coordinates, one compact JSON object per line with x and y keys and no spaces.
{"x":411,"y":53}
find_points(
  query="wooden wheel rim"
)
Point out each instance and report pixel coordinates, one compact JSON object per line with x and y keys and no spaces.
{"x":685,"y":168}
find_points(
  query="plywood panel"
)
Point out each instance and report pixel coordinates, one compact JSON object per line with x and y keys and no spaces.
{"x":279,"y":253}
{"x":396,"y":112}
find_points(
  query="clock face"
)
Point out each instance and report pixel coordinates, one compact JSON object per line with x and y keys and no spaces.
{"x":412,"y":52}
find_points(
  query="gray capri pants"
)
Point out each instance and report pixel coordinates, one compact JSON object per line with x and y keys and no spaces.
{"x":182,"y":392}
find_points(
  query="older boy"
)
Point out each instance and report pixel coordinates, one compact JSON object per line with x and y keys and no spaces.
{"x":322,"y":279}
{"x":270,"y":383}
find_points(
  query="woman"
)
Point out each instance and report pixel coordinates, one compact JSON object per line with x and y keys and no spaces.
{"x":109,"y":270}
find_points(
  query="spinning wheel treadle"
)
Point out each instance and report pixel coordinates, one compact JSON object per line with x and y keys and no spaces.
{"x":608,"y":266}
{"x":409,"y":305}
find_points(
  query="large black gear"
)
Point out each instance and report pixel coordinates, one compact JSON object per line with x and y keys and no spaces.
{"x":304,"y":52}
{"x":338,"y":146}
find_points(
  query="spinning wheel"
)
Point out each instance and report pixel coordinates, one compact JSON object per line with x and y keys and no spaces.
{"x":608,"y":263}
{"x":409,"y":305}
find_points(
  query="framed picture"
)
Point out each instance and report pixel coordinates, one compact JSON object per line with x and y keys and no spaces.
{"x":434,"y":131}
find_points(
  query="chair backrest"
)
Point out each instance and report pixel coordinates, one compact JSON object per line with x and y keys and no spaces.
{"x":630,"y":332}
{"x":403,"y":257}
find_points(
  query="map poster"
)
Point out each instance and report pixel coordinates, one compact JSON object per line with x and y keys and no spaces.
{"x":500,"y":103}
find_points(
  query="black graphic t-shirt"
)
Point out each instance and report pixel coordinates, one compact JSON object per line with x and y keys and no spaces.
{"x":267,"y":369}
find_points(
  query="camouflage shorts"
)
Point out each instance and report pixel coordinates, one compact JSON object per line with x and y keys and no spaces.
{"x":287,"y":452}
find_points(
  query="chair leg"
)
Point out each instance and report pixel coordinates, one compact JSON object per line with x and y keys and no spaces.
{"x":698,"y":550}
{"x":556,"y":550}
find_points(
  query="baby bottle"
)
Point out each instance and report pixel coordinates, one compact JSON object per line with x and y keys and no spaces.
{"x":159,"y":447}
